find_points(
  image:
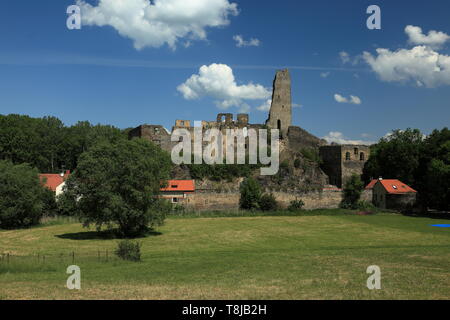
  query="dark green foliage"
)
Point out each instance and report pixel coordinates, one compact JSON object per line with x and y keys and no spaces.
{"x":250,"y":194}
{"x":118,"y":185}
{"x":396,"y":157}
{"x":296,"y":205}
{"x":23,"y":200}
{"x":297,"y":163}
{"x":50,"y":208}
{"x":267,"y":202}
{"x":221,"y":172}
{"x":434,"y":171}
{"x":311,"y":154}
{"x":129,"y":250}
{"x":352,"y":192}
{"x":67,"y":201}
{"x":424,"y":164}
{"x":47,"y":144}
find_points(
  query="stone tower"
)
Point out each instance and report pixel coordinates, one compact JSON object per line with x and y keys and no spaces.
{"x":280,"y":116}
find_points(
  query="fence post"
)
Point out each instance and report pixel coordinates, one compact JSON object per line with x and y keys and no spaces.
{"x":73,"y":257}
{"x":7,"y":258}
{"x":106,"y":255}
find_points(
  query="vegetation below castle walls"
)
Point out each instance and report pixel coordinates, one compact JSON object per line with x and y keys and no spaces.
{"x":311,"y":154}
{"x":221,"y":172}
{"x":47,"y":144}
{"x":422,"y":163}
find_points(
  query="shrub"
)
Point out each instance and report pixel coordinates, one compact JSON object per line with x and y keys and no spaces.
{"x":129,"y":250}
{"x":297,"y":163}
{"x":250,"y":194}
{"x":23,"y":199}
{"x":365,"y":206}
{"x":268,"y":202}
{"x":296,"y":205}
{"x":352,"y":192}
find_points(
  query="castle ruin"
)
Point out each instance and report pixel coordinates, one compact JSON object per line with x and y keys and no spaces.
{"x":338,"y":162}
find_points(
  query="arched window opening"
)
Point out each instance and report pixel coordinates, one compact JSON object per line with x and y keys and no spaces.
{"x":362,"y":156}
{"x":347,"y":156}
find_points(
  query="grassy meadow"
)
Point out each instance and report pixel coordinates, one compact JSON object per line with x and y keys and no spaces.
{"x":314,"y":256}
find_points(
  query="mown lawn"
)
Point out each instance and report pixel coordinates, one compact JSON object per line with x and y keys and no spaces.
{"x":303,"y":257}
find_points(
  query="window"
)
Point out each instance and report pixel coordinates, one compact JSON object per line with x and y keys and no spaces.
{"x":356,"y":151}
{"x":347,"y":156}
{"x":362,"y":156}
{"x":174,"y":200}
{"x":174,"y":186}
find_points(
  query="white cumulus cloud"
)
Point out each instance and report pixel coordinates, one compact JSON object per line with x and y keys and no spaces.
{"x":339,"y":138}
{"x":158,"y":22}
{"x":240,"y":42}
{"x":352,"y":100}
{"x":420,"y":65}
{"x":434,"y":39}
{"x":218,"y":82}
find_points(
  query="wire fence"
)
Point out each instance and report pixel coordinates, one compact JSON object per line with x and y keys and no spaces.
{"x":11,"y":263}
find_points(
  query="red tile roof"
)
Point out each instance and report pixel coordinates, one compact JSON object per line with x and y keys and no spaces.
{"x":53,"y":180}
{"x":180,"y":185}
{"x":371,"y":184}
{"x":395,"y":186}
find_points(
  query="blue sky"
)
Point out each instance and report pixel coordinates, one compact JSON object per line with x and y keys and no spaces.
{"x":97,"y":74}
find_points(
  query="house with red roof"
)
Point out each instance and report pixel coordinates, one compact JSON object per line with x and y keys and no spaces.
{"x":177,"y":191}
{"x":54,"y":181}
{"x":392,"y":194}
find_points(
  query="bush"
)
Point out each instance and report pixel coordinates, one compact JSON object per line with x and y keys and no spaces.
{"x":129,"y":250}
{"x":250,"y":194}
{"x":365,"y":206}
{"x":296,"y":205}
{"x":268,"y":202}
{"x":23,"y":199}
{"x":297,"y":163}
{"x":352,"y":192}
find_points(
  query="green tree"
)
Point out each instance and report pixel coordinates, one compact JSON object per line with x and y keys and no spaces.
{"x":250,"y":194}
{"x":22,"y":197}
{"x":396,"y":157}
{"x":434,"y":171}
{"x":117,"y":185}
{"x":352,"y":192}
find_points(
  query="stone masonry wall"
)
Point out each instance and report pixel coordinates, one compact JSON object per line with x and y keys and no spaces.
{"x":203,"y":201}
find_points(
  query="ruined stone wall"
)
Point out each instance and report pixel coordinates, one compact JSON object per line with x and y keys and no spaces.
{"x":203,"y":201}
{"x":340,"y":162}
{"x":358,"y":158}
{"x":156,"y":134}
{"x":332,"y":164}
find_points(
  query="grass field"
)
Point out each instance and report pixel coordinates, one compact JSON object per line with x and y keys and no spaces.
{"x":298,"y":257}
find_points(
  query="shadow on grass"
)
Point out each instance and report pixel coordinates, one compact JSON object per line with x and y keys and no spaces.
{"x":441,"y":215}
{"x":102,"y":235}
